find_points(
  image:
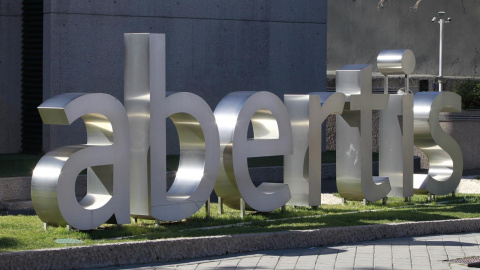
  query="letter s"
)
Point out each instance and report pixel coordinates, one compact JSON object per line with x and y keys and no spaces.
{"x":443,"y":152}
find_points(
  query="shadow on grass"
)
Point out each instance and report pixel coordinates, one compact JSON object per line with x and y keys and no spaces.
{"x":8,"y":242}
{"x":335,"y":218}
{"x":467,"y":208}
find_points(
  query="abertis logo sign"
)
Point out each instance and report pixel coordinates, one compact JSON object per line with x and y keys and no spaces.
{"x":125,"y":153}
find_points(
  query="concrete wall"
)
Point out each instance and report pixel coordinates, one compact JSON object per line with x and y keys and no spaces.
{"x":463,"y":127}
{"x":213,"y":48}
{"x":357,"y":32}
{"x":10,"y":75}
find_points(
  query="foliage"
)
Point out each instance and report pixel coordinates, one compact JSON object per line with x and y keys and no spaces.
{"x":12,"y":165}
{"x":381,"y":3}
{"x":469,"y":91}
{"x":26,"y":232}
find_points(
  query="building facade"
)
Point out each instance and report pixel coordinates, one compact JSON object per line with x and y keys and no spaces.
{"x":213,"y":48}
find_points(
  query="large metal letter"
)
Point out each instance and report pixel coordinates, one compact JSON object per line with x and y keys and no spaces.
{"x":302,"y":169}
{"x":138,"y":54}
{"x":396,"y":144}
{"x":444,"y":155}
{"x":147,"y":107}
{"x":354,"y":135}
{"x":396,"y":125}
{"x":106,"y":155}
{"x":199,"y":155}
{"x":272,"y":136}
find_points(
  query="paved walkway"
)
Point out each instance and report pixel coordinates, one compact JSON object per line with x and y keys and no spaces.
{"x":423,"y":252}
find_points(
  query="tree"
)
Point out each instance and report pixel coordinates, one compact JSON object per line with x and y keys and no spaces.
{"x":382,"y":2}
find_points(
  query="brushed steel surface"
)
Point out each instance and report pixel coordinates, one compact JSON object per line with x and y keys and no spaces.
{"x":138,"y":54}
{"x":105,"y":155}
{"x":272,"y":136}
{"x":199,"y":156}
{"x":302,"y":169}
{"x":396,"y":144}
{"x":396,"y":62}
{"x":354,"y":136}
{"x":148,"y":104}
{"x":443,"y":152}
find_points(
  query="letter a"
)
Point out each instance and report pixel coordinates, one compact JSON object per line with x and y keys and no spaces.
{"x":106,"y":156}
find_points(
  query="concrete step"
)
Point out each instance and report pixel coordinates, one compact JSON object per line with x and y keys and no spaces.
{"x":19,"y":205}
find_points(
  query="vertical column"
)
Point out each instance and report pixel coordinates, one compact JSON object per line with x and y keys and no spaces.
{"x":302,"y":169}
{"x":354,"y":136}
{"x":144,"y":72}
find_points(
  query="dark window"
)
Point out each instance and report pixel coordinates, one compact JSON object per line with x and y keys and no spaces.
{"x":423,"y":86}
{"x":32,"y":75}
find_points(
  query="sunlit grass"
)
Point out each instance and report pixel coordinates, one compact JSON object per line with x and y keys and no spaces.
{"x":26,"y":232}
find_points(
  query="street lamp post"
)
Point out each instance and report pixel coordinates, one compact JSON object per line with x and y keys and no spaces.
{"x":441,"y":22}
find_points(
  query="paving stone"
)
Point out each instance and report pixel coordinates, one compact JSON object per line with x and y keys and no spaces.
{"x":228,"y":263}
{"x":322,"y":266}
{"x":187,"y":267}
{"x":409,"y":253}
{"x":209,"y":265}
{"x":306,"y":262}
{"x":246,"y":265}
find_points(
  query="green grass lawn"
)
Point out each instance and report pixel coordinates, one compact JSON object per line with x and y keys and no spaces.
{"x":26,"y":232}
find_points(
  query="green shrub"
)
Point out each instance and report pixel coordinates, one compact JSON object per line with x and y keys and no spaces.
{"x":470,"y":92}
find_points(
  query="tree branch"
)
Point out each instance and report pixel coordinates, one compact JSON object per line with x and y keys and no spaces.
{"x":415,"y":7}
{"x":381,"y":3}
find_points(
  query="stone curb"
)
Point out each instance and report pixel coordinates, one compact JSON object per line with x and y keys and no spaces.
{"x":141,"y":252}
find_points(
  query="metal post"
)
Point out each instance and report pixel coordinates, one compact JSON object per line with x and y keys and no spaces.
{"x":407,"y":84}
{"x":207,"y":209}
{"x":220,"y":205}
{"x":441,"y":22}
{"x":385,"y":84}
{"x":242,"y":208}
{"x":440,"y":57}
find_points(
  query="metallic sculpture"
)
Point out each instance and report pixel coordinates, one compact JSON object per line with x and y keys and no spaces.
{"x":272,"y":136}
{"x":354,"y":136}
{"x":147,"y":107}
{"x":443,"y":152}
{"x":396,"y":144}
{"x":199,"y":155}
{"x":128,"y":176}
{"x":396,"y":125}
{"x":106,"y":155}
{"x":137,"y":103}
{"x":396,"y":62}
{"x":303,"y":170}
